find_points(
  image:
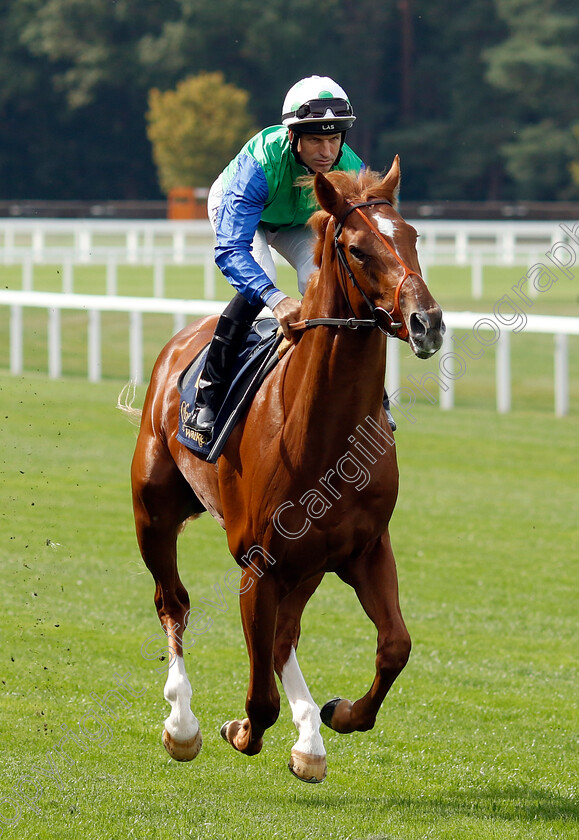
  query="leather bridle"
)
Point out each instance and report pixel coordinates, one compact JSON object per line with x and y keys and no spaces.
{"x":390,"y":322}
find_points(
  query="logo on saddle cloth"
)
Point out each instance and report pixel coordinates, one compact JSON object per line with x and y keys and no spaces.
{"x":186,"y":410}
{"x":193,"y":434}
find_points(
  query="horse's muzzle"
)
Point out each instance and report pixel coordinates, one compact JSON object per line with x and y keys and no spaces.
{"x":425,"y":331}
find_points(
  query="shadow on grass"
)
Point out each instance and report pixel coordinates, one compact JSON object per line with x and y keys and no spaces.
{"x":515,"y":803}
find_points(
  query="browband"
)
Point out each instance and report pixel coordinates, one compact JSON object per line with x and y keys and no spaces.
{"x":340,"y":224}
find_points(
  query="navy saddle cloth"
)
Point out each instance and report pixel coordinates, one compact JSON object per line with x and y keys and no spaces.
{"x":257,"y":357}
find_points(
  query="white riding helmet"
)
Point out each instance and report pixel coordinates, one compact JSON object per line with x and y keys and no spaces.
{"x":317,"y":105}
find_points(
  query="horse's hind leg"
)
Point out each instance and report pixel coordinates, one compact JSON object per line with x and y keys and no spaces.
{"x":162,"y":501}
{"x":374,"y":578}
{"x":308,"y":755}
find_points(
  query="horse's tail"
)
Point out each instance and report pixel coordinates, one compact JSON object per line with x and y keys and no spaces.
{"x":125,"y":402}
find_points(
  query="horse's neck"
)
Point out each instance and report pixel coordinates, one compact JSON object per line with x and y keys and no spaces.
{"x":336,"y":377}
{"x":341,"y":369}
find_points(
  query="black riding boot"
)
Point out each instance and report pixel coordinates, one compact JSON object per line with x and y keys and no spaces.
{"x":386,"y":404}
{"x":215,"y":378}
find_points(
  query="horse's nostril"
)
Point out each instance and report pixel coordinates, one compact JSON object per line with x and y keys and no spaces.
{"x":419,"y":325}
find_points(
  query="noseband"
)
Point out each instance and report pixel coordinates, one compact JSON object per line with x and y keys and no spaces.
{"x":389,"y":322}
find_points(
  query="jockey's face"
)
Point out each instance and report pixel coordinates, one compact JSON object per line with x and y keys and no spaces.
{"x":319,"y":151}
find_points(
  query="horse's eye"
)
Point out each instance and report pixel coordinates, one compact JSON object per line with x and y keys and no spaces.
{"x":357,"y":253}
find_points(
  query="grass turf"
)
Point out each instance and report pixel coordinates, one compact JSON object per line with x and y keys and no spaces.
{"x":477,"y":738}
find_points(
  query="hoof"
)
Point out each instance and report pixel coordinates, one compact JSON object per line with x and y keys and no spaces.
{"x":223,"y":730}
{"x":327,"y":711}
{"x":308,"y":768}
{"x":337,"y":715}
{"x":230,"y":732}
{"x":182,"y":750}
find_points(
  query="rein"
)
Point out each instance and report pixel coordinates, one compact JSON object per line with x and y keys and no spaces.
{"x":395,"y":321}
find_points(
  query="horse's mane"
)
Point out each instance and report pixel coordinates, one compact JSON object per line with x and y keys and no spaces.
{"x":356,"y":186}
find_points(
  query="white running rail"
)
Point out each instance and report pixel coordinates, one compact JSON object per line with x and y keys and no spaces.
{"x":403,"y":393}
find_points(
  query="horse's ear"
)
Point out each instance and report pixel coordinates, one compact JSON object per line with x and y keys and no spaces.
{"x":391,"y":182}
{"x":329,"y":197}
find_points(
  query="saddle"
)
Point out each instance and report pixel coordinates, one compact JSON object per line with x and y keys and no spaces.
{"x":257,"y":358}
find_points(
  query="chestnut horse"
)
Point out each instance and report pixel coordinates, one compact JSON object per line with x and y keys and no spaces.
{"x":308,"y":479}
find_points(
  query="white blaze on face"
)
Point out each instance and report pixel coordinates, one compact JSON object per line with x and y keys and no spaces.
{"x":385,"y":226}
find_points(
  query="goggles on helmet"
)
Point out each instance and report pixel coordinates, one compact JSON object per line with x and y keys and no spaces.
{"x":317,"y":109}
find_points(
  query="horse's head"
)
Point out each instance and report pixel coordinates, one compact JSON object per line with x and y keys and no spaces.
{"x":376,"y":256}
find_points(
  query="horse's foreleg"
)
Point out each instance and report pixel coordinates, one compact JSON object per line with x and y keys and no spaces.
{"x":181,"y":735}
{"x":375,"y":580}
{"x":160,"y":508}
{"x":308,"y":755}
{"x":259,"y":604}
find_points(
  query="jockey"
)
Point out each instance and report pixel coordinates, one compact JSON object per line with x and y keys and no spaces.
{"x":254,"y":205}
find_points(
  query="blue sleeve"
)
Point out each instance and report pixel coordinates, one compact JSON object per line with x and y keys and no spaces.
{"x":237,"y":220}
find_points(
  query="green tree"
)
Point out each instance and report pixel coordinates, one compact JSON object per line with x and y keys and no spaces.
{"x":91,"y":91}
{"x":478,"y":96}
{"x":575,"y":161}
{"x":28,"y":105}
{"x":537,"y":67}
{"x":264,"y":47}
{"x":446,"y":120}
{"x":96,"y":46}
{"x":196,"y":129}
